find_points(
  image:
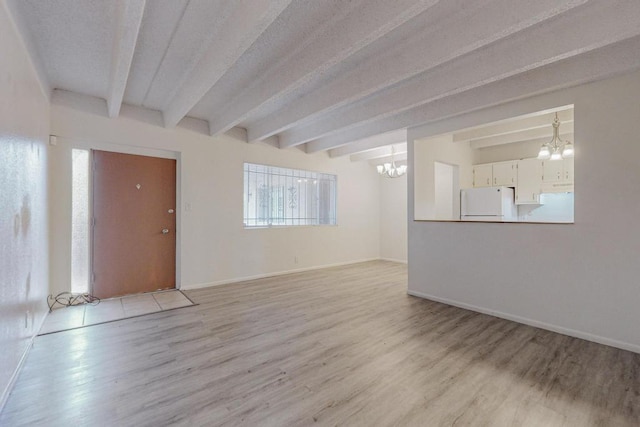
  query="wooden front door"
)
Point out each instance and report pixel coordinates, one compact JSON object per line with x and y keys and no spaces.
{"x":134,"y":231}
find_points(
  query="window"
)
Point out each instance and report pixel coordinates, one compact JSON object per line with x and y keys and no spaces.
{"x":276,"y":196}
{"x":80,"y":231}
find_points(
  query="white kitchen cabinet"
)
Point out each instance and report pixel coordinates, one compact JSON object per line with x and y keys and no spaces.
{"x":567,"y":166}
{"x":529,"y":181}
{"x":557,"y":176}
{"x":483,"y":175}
{"x":552,"y":171}
{"x":505,"y":174}
{"x":530,"y":177}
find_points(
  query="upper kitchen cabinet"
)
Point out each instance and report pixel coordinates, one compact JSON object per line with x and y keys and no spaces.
{"x":483,"y":175}
{"x":567,"y":167}
{"x":557,"y":176}
{"x":529,"y":182}
{"x":505,"y":174}
{"x":552,"y":171}
{"x":495,"y":174}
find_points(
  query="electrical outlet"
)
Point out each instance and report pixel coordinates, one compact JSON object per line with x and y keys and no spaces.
{"x":26,"y":319}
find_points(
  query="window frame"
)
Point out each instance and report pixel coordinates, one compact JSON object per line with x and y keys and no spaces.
{"x":290,"y":182}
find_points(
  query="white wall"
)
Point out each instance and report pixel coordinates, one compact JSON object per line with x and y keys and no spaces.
{"x":580,"y":279}
{"x":393,"y":218}
{"x":215,"y":247}
{"x":24,"y":130}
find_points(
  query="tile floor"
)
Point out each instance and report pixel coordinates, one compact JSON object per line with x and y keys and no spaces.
{"x":64,"y":318}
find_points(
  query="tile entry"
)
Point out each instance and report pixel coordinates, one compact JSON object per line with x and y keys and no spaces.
{"x":77,"y":316}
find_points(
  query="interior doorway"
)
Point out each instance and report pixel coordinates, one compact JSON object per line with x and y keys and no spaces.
{"x":134,"y":224}
{"x":447,"y":190}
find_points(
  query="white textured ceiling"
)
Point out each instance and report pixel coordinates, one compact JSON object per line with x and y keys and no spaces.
{"x":326,"y":75}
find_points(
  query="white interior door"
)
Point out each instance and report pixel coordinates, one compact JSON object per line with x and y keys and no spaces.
{"x":444,"y":191}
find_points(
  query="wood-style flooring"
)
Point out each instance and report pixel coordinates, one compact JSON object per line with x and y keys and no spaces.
{"x":339,"y":346}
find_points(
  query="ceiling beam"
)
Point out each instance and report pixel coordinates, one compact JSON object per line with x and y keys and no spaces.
{"x":535,"y":143}
{"x":247,"y":20}
{"x":593,"y":26}
{"x":524,"y":135}
{"x":196,"y":20}
{"x":399,"y":158}
{"x":514,"y":125}
{"x":129,"y":19}
{"x":236,"y":133}
{"x":476,"y":24}
{"x":594,"y":65}
{"x":365,"y":22}
{"x":375,"y":141}
{"x":26,"y":37}
{"x":378,"y":153}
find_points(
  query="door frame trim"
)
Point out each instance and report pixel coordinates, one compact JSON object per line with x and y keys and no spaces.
{"x":141,"y":151}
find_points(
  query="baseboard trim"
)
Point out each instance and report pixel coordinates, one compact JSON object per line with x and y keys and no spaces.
{"x":274,"y":274}
{"x":16,"y":372}
{"x":535,"y":323}
{"x":401,"y":261}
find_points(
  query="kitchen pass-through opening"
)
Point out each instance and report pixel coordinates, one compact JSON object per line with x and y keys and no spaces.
{"x":515,"y":170}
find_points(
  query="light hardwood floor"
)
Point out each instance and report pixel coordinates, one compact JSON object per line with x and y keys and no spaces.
{"x":340,"y":346}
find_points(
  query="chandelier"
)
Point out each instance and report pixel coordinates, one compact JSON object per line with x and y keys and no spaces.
{"x":390,"y":170}
{"x":556,"y":149}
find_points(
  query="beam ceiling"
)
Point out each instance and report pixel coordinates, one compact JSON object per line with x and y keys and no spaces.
{"x":324,"y":75}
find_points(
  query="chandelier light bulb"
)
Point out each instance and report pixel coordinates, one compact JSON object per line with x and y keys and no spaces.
{"x":568,"y":151}
{"x":544,"y":153}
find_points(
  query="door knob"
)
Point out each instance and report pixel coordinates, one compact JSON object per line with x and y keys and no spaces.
{"x":165,"y":231}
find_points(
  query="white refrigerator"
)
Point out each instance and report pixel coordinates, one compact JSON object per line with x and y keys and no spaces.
{"x":494,"y":204}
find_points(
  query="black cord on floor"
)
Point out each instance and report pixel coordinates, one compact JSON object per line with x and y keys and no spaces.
{"x":67,"y":299}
